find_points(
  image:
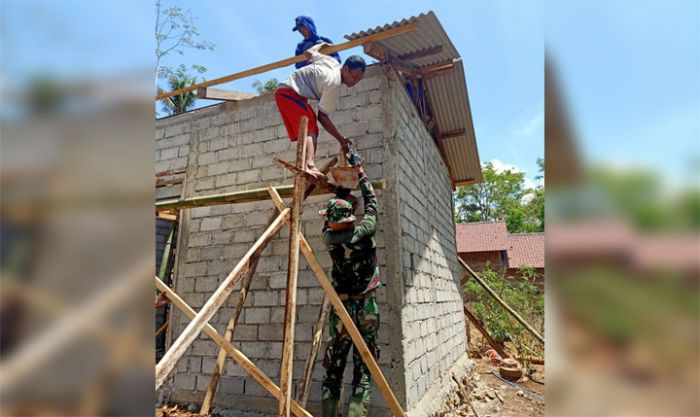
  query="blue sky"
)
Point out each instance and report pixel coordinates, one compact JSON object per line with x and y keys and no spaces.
{"x":632,"y":80}
{"x":501,"y":44}
{"x":630,"y":70}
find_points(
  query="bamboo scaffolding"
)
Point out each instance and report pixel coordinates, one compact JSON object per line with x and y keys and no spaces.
{"x":290,"y":308}
{"x":178,"y":348}
{"x":247,"y":196}
{"x":230,"y":327}
{"x":305,"y":386}
{"x":235,"y":354}
{"x":345,"y":318}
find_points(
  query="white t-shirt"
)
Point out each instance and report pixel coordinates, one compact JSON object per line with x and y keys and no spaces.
{"x":318,"y":81}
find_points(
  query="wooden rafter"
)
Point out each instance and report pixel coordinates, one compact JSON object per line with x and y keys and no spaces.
{"x":226,"y":95}
{"x":408,"y":27}
{"x":290,"y":307}
{"x":421,"y":53}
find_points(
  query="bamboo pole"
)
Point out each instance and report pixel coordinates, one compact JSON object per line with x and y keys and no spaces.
{"x":178,"y":348}
{"x":355,"y":335}
{"x":228,"y":335}
{"x":486,"y":334}
{"x":221,"y":358}
{"x":500,"y":301}
{"x":286,"y":368}
{"x":408,"y":27}
{"x":236,"y":355}
{"x":246,"y":196}
{"x":304,"y":388}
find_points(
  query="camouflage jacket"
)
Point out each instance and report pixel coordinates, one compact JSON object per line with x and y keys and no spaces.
{"x":354,"y":252}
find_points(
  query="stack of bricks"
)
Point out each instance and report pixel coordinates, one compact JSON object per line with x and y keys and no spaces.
{"x":229,"y":147}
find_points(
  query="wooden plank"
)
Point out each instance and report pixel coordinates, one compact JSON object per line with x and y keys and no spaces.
{"x":230,"y":327}
{"x":408,"y":27}
{"x":355,"y":335}
{"x":484,"y":333}
{"x":297,"y":171}
{"x":453,"y":134}
{"x":160,"y":182}
{"x":500,"y":301}
{"x":235,"y":354}
{"x":422,"y":53}
{"x":290,"y":306}
{"x":178,"y":348}
{"x":305,"y":386}
{"x":440,"y":66}
{"x":225,"y":95}
{"x":171,"y":172}
{"x":166,"y":216}
{"x":228,"y":335}
{"x":258,"y":194}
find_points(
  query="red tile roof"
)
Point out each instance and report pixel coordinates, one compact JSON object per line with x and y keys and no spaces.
{"x":482,"y":237}
{"x":526,"y":249}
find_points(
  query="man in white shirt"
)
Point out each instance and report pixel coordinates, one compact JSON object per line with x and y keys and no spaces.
{"x":321,"y":80}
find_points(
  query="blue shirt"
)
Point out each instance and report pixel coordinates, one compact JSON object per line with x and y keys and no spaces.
{"x":313,"y":39}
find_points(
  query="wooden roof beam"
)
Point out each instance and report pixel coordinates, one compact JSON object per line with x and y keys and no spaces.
{"x":421,"y":53}
{"x":225,"y":95}
{"x":408,"y":27}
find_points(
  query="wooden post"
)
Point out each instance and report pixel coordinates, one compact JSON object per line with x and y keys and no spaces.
{"x":178,"y":348}
{"x":237,"y":356}
{"x":230,"y":327}
{"x":500,"y":301}
{"x":246,"y":196}
{"x":290,"y":309}
{"x":355,"y":335}
{"x":304,"y":388}
{"x":486,"y":334}
{"x":329,"y":49}
{"x":228,"y":335}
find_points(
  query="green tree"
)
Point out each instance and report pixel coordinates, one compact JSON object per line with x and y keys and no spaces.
{"x":502,"y":196}
{"x":179,"y":103}
{"x":492,"y":199}
{"x":269,"y":86}
{"x":175,"y":31}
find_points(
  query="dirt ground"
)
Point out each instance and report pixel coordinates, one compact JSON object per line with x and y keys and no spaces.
{"x":487,"y":385}
{"x":489,"y":396}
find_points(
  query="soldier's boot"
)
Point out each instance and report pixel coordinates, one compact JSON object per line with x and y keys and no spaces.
{"x":330,"y":407}
{"x":358,"y":405}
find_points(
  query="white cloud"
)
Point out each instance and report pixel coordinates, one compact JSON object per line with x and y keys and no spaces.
{"x":500,"y":166}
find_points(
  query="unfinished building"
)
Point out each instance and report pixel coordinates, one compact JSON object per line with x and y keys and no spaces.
{"x":410,"y":119}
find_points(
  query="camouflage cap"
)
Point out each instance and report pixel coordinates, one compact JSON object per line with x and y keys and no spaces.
{"x":338,"y":211}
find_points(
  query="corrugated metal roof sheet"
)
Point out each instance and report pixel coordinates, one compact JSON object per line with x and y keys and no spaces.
{"x":447,"y":92}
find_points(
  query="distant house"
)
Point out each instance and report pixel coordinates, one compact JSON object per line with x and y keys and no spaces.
{"x":482,"y":243}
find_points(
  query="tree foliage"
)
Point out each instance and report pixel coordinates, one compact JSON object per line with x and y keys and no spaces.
{"x":269,"y":87}
{"x":521,"y":294}
{"x":179,"y":103}
{"x":502,"y":196}
{"x":175,"y":31}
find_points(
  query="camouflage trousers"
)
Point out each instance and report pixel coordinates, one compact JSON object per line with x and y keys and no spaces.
{"x":365,"y":315}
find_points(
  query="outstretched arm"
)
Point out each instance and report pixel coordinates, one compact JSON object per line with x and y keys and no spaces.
{"x":330,"y":128}
{"x":368,"y":225}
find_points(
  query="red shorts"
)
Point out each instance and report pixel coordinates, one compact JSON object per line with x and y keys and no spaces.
{"x":292,"y":107}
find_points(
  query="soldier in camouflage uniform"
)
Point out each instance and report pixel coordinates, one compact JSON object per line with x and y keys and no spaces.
{"x":355,"y":277}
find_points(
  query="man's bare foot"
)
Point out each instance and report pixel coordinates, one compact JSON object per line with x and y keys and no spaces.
{"x":315,"y":172}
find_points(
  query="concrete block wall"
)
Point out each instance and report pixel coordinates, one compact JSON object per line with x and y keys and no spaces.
{"x":229,"y":147}
{"x":432,"y":316}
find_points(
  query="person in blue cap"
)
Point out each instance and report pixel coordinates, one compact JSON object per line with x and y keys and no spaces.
{"x":306,"y":26}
